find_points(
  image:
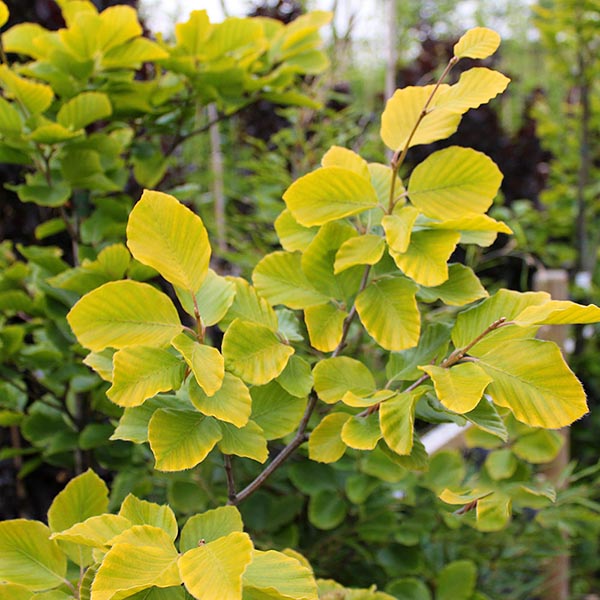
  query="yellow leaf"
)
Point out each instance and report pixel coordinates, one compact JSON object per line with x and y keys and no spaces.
{"x":209,"y":526}
{"x":34,"y":97}
{"x":325,"y":324}
{"x":397,"y":418}
{"x":96,"y":531}
{"x":118,"y":24}
{"x":293,"y":236}
{"x":142,"y":512}
{"x":362,"y":433}
{"x":337,"y":156}
{"x":462,"y":287}
{"x":360,"y":250}
{"x":249,"y":306}
{"x":381,"y":178}
{"x":247,"y":441}
{"x":335,"y":376}
{"x":325,"y":442}
{"x":398,"y":228}
{"x":479,"y":42}
{"x":4,"y":14}
{"x":558,"y":312}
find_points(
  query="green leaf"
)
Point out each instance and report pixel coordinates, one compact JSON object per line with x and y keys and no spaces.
{"x":531,"y":378}
{"x":210,"y":526}
{"x":118,"y":24}
{"x":325,"y":442}
{"x":402,"y":112}
{"x":192,"y":34}
{"x":140,"y":372}
{"x":397,"y":418}
{"x":462,"y":287}
{"x":493,"y":512}
{"x":426,"y":260}
{"x":96,"y":531}
{"x":253,"y":352}
{"x":398,"y":228}
{"x":325,"y":324}
{"x":142,"y":512}
{"x":456,"y":581}
{"x":409,"y":588}
{"x":326,"y":509}
{"x":84,"y":109}
{"x":460,"y":387}
{"x":539,"y":446}
{"x":486,"y":417}
{"x":43,"y":195}
{"x":249,"y":306}
{"x":34,"y":97}
{"x":293,"y":236}
{"x":296,"y":378}
{"x":273,"y":571}
{"x":207,"y":364}
{"x":328,"y":194}
{"x":362,"y":433}
{"x":11,"y":121}
{"x":501,"y":464}
{"x":247,"y":441}
{"x":336,"y":376}
{"x":479,"y":42}
{"x":124,"y":313}
{"x":388,"y":310}
{"x":180,"y":439}
{"x":275,"y":410}
{"x":214,"y":569}
{"x":28,"y":557}
{"x":231,"y":403}
{"x":454,"y":181}
{"x":165,"y":235}
{"x":361,"y":250}
{"x":279,"y":278}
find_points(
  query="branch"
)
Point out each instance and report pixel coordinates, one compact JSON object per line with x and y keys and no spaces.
{"x":230,"y":481}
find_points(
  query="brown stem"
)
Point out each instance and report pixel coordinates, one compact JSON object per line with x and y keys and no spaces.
{"x":230,"y":480}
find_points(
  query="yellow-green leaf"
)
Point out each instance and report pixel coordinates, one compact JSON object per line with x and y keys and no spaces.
{"x":539,"y":446}
{"x":397,"y":419}
{"x":398,"y":228}
{"x":83,"y":109}
{"x":96,"y":531}
{"x":381,"y":179}
{"x":192,"y":34}
{"x":140,"y":372}
{"x":210,"y":526}
{"x":362,"y":433}
{"x":328,"y":194}
{"x":14,"y":591}
{"x":180,"y":439}
{"x":165,"y":235}
{"x":249,"y":306}
{"x":291,"y":234}
{"x":337,"y":156}
{"x":4,"y":14}
{"x":325,"y":442}
{"x":336,"y":376}
{"x":231,"y":403}
{"x":558,"y":312}
{"x":479,"y":42}
{"x":459,"y":388}
{"x":118,"y":24}
{"x":360,"y":250}
{"x":11,"y":121}
{"x":275,"y":410}
{"x":207,"y":363}
{"x":144,"y":535}
{"x":254,"y":352}
{"x":454,"y":181}
{"x":494,"y":512}
{"x":34,"y":97}
{"x":351,"y":399}
{"x":247,"y":441}
{"x":20,"y":39}
{"x":215,"y":569}
{"x":462,"y":287}
{"x":325,"y":324}
{"x":296,"y":378}
{"x":29,"y":557}
{"x":531,"y":378}
{"x":426,"y":260}
{"x":402,"y":112}
{"x":279,"y":278}
{"x":124,"y":313}
{"x":276,"y":573}
{"x":142,"y":512}
{"x":388,"y":310}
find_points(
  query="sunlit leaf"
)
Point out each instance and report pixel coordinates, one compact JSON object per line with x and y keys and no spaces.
{"x":296,"y":378}
{"x":479,"y":42}
{"x":361,"y":250}
{"x":397,"y":418}
{"x":325,"y":442}
{"x":558,"y":312}
{"x":249,"y":306}
{"x":336,"y":376}
{"x":293,"y":236}
{"x":95,"y":531}
{"x":398,"y":228}
{"x":325,"y":325}
{"x":337,"y":156}
{"x":381,"y":178}
{"x":462,"y":287}
{"x":362,"y":433}
{"x":34,"y":97}
{"x":142,"y":512}
{"x":209,"y":526}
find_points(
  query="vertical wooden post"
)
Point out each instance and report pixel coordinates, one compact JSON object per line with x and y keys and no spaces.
{"x":556,"y":282}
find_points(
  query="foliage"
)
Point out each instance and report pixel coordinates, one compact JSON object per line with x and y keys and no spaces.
{"x":344,"y":338}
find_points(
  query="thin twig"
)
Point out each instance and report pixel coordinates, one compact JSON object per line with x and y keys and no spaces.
{"x":230,"y":480}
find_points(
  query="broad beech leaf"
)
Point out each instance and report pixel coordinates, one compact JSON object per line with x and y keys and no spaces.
{"x":293,"y":236}
{"x":279,"y":278}
{"x":454,"y":181}
{"x":361,"y":250}
{"x":296,"y":378}
{"x":231,"y":403}
{"x":129,"y":568}
{"x":494,"y":512}
{"x":11,"y":121}
{"x":416,"y":460}
{"x":180,"y":439}
{"x":460,"y":387}
{"x":447,"y":468}
{"x":247,"y":441}
{"x":207,"y":363}
{"x":283,"y":575}
{"x":539,"y":446}
{"x":398,"y":228}
{"x":388,"y":310}
{"x":34,"y":97}
{"x":20,"y":39}
{"x":52,"y":134}
{"x":462,"y":287}
{"x":95,"y":531}
{"x":14,"y":591}
{"x":83,"y":109}
{"x":210,"y":526}
{"x":472,"y":322}
{"x":144,"y":535}
{"x":456,"y":581}
{"x":327,"y":509}
{"x":486,"y":417}
{"x":192,"y":34}
{"x":133,"y":54}
{"x":351,"y":399}
{"x":402,"y":112}
{"x":501,"y":464}
{"x":325,"y":324}
{"x":275,"y":410}
{"x":531,"y":378}
{"x":319,"y":258}
{"x":215,"y":569}
{"x":167,"y":236}
{"x":474,"y":228}
{"x":397,"y":419}
{"x":142,"y":512}
{"x":558,"y":312}
{"x":253,"y":352}
{"x":29,"y":557}
{"x":381,"y":178}
{"x":325,"y":442}
{"x":337,"y":156}
{"x":426,"y":260}
{"x":336,"y":376}
{"x":479,"y":42}
{"x":140,"y":372}
{"x":118,"y":24}
{"x":213,"y":299}
{"x":124,"y":313}
{"x":362,"y":433}
{"x":328,"y":194}
{"x":249,"y":306}
{"x":475,"y":87}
